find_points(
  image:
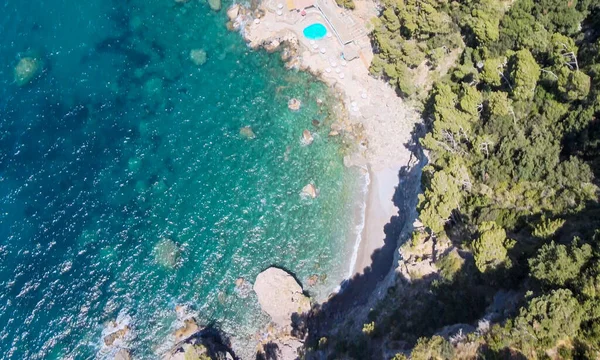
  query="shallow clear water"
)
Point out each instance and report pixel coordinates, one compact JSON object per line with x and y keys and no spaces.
{"x":123,"y":145}
{"x":315,"y":31}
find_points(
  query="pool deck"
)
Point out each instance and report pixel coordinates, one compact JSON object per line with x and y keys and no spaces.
{"x":335,"y":16}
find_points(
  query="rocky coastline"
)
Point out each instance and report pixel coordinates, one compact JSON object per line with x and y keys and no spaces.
{"x":381,"y":128}
{"x":377,"y":126}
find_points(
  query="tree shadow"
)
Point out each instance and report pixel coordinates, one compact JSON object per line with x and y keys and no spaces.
{"x":270,"y":352}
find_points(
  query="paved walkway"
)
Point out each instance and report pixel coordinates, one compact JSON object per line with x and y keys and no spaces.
{"x":342,"y":23}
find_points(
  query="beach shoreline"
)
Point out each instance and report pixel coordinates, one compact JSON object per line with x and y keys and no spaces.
{"x":374,"y":117}
{"x":383,"y":120}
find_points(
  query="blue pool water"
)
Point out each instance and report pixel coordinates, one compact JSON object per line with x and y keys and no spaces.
{"x":315,"y":31}
{"x":125,"y":148}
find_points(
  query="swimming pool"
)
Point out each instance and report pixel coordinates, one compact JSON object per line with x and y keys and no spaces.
{"x":315,"y":31}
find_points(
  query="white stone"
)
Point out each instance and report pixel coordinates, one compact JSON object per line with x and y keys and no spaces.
{"x":280,"y":296}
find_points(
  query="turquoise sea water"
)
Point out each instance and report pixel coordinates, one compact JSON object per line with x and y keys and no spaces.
{"x":126,"y":187}
{"x":315,"y":31}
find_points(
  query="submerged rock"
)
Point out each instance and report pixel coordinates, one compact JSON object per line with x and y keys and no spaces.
{"x":215,"y":4}
{"x":307,"y":137}
{"x":310,"y":190}
{"x":312,"y":280}
{"x":316,"y":123}
{"x":247,"y":132}
{"x":294,"y":104}
{"x":166,"y":253}
{"x":243,"y":287}
{"x":198,"y":57}
{"x":280,"y":296}
{"x":27,"y":69}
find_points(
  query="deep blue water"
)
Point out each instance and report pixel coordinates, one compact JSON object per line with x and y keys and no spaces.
{"x":122,"y":146}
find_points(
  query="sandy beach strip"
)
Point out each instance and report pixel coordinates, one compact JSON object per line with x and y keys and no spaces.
{"x":380,"y":209}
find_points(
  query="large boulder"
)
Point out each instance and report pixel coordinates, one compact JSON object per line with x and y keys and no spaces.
{"x":233,"y":12}
{"x":280,"y":296}
{"x":310,"y":191}
{"x":307,"y":137}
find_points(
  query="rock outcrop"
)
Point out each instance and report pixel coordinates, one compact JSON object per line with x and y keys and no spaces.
{"x":310,"y":190}
{"x":122,"y":354}
{"x":294,"y":104}
{"x":281,"y":348}
{"x":189,"y":328}
{"x":280,"y":296}
{"x":113,"y":337}
{"x":307,"y":137}
{"x":204,"y":344}
{"x":233,"y":12}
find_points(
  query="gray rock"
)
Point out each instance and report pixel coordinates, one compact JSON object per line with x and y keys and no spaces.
{"x":280,"y":296}
{"x":189,"y":328}
{"x":123,"y":354}
{"x":310,"y":190}
{"x":307,"y":137}
{"x":294,"y":104}
{"x":233,"y":12}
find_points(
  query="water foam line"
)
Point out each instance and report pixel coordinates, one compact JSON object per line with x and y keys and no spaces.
{"x":361,"y":225}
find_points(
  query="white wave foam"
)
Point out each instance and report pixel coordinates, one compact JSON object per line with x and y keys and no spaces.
{"x":361,"y":224}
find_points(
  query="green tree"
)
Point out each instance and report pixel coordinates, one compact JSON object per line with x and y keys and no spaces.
{"x":574,"y":85}
{"x":484,"y":20}
{"x":524,"y":74}
{"x":438,"y":201}
{"x":557,"y":264}
{"x":432,"y":348}
{"x":490,"y":248}
{"x":549,"y":318}
{"x":546,"y":228}
{"x":470,"y":100}
{"x":492,"y":71}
